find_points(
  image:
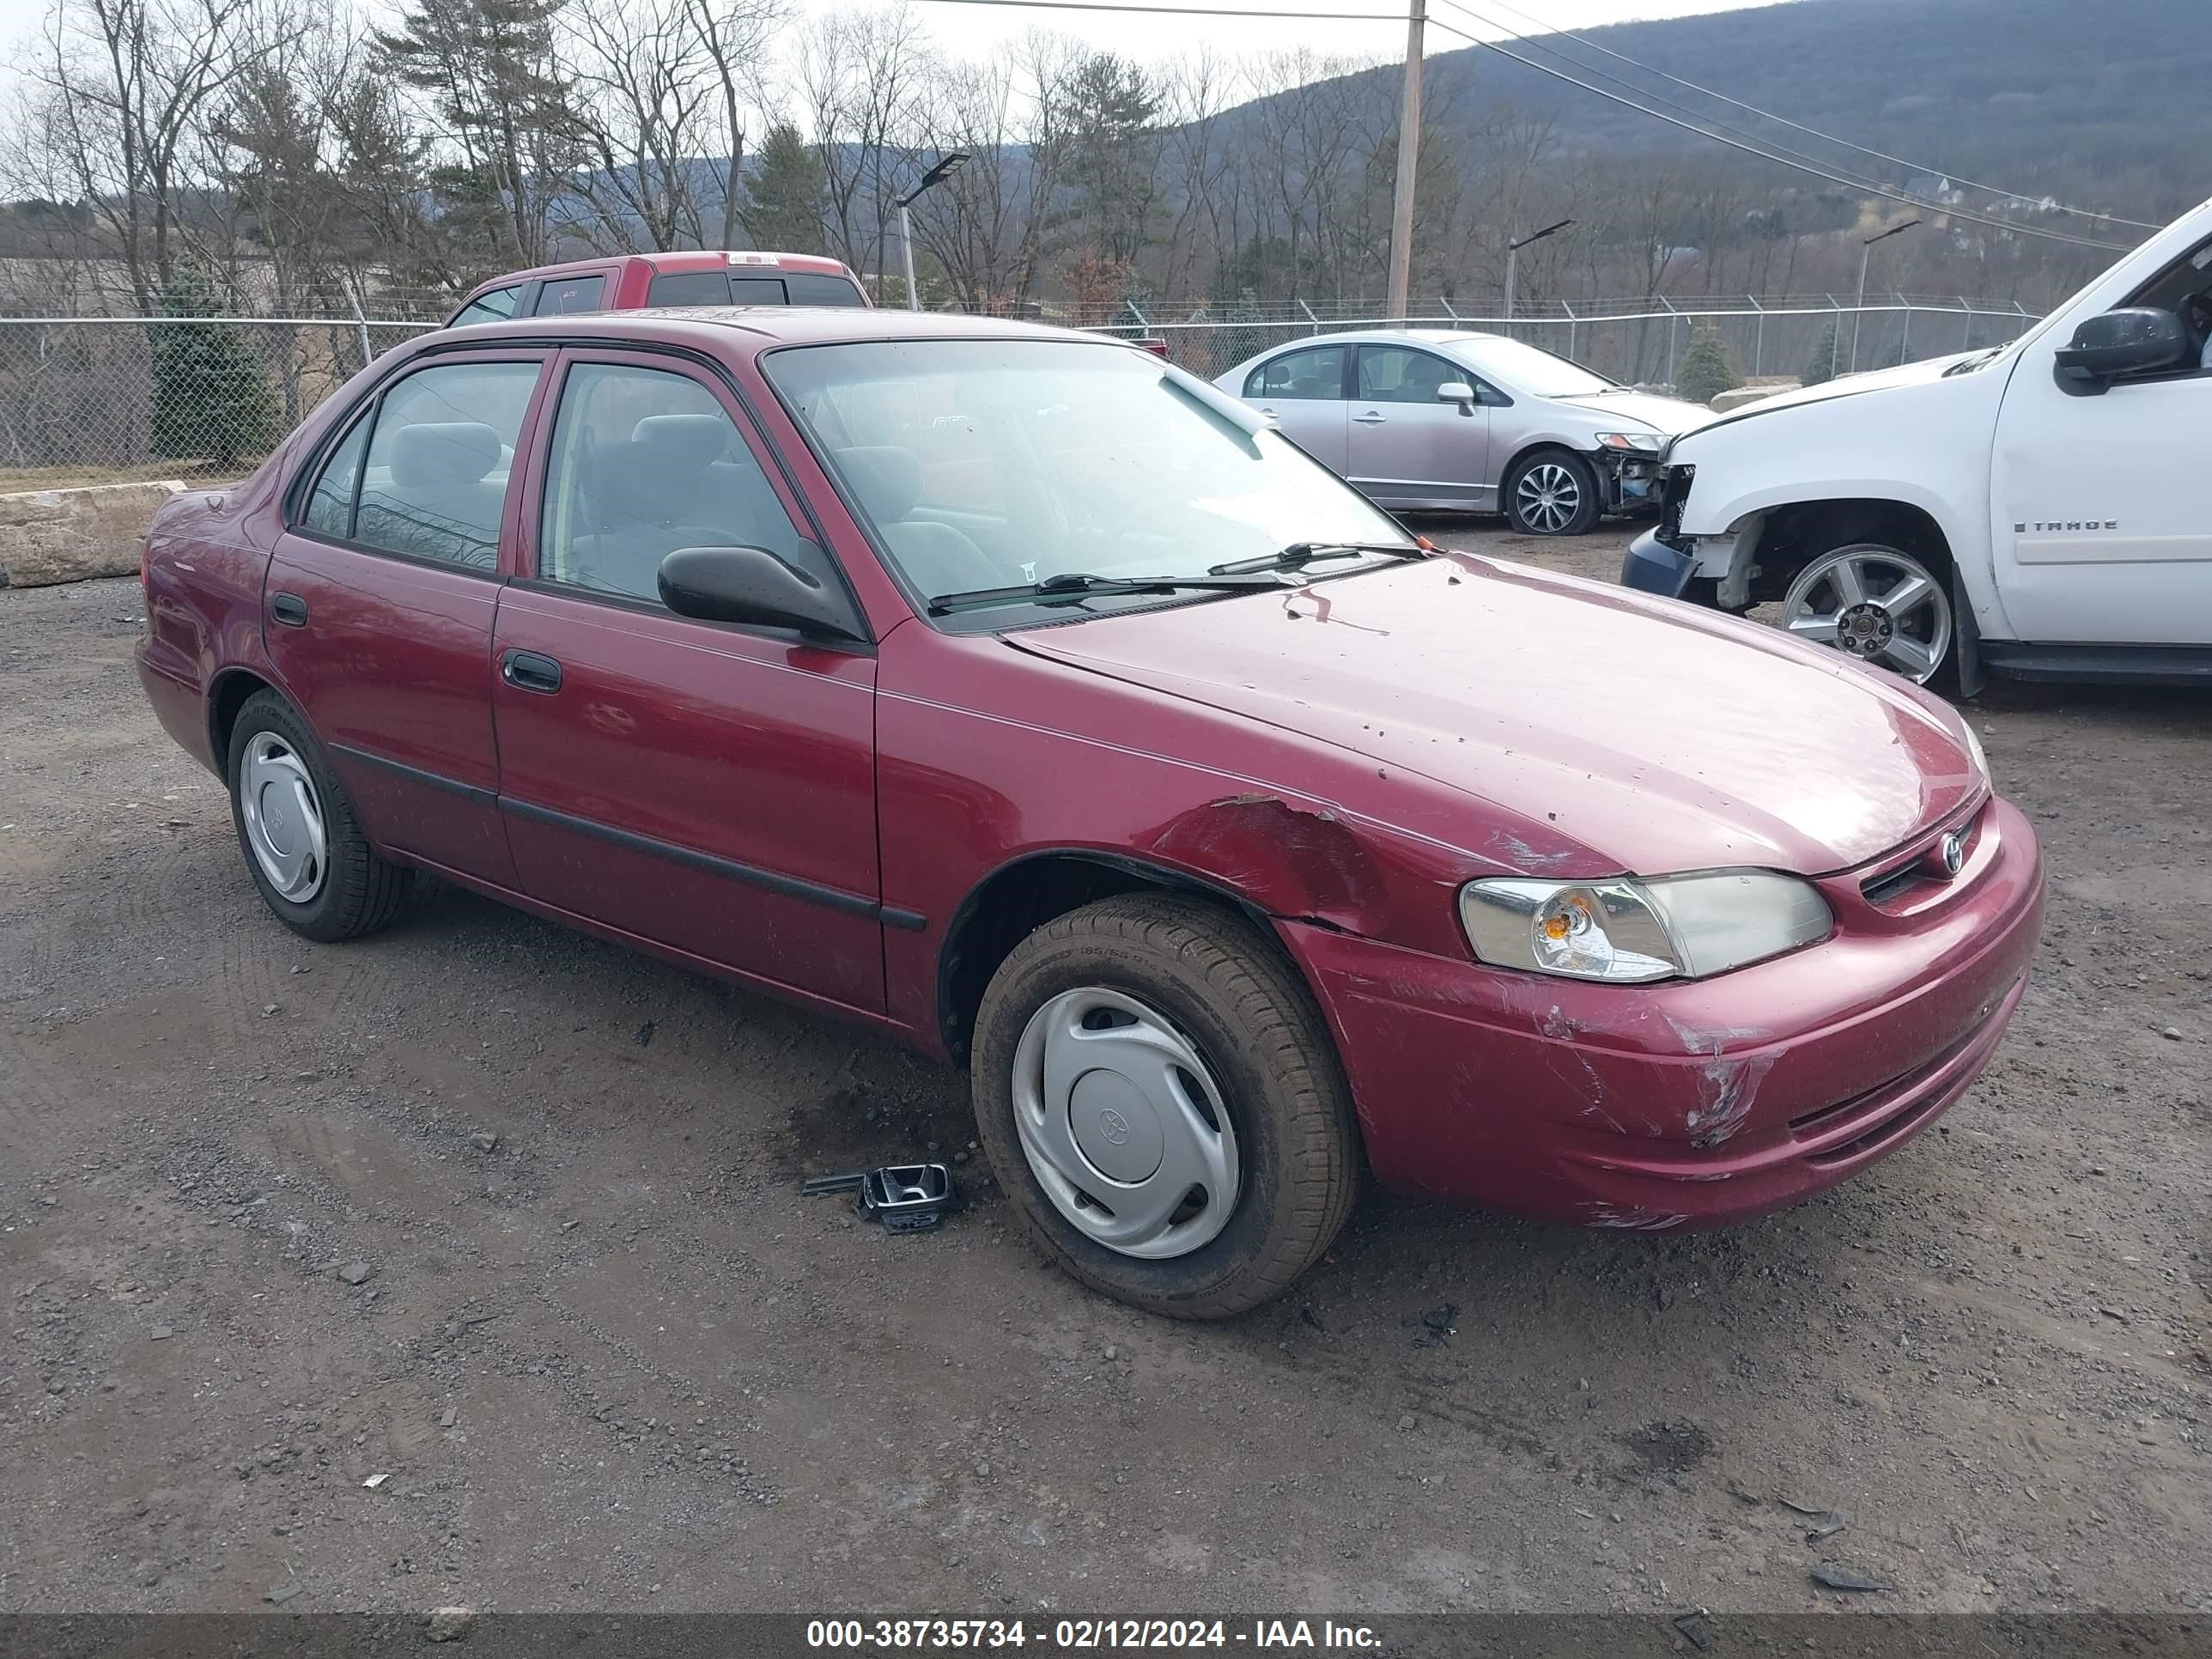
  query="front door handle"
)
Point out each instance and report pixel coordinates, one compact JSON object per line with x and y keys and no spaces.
{"x":528,"y":671}
{"x":289,"y":609}
{"x":1370,"y":418}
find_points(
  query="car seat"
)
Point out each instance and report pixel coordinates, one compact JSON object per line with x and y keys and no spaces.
{"x":937,"y":558}
{"x":439,"y":501}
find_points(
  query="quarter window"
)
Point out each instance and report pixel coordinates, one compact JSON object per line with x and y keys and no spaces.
{"x":1315,"y":375}
{"x":425,"y":476}
{"x":645,"y":462}
{"x":572,"y":294}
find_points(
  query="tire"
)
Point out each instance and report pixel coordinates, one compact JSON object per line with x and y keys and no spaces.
{"x":1227,"y":993}
{"x":274,"y":765}
{"x":1918,"y":640}
{"x":1548,"y":508}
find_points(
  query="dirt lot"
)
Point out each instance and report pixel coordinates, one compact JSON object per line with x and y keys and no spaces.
{"x":617,"y":1360}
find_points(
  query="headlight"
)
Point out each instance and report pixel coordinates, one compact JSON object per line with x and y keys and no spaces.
{"x":1631,"y":932}
{"x":1974,"y":748}
{"x":1645,"y":442}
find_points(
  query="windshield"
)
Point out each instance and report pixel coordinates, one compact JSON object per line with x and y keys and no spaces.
{"x":1525,"y":368}
{"x":988,"y":464}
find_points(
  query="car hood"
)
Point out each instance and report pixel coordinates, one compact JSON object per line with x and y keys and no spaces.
{"x":1922,"y":372}
{"x":1658,"y":737}
{"x":1627,"y":410}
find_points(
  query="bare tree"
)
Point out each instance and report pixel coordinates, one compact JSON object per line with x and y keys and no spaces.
{"x":861,"y":76}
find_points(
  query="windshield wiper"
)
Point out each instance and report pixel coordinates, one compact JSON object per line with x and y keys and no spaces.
{"x":1298,"y":555}
{"x":1070,"y":585}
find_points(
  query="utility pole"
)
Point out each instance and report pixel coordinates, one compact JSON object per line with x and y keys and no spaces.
{"x":1409,"y":160}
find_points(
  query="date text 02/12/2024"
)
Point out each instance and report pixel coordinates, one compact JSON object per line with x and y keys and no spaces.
{"x":1086,"y":1635}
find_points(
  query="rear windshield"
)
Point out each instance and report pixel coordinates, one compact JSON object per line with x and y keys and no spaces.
{"x":747,"y":287}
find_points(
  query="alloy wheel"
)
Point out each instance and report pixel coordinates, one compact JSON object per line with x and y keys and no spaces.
{"x":283,"y":817}
{"x":1873,"y":603}
{"x":1123,"y":1124}
{"x":1547,"y":497}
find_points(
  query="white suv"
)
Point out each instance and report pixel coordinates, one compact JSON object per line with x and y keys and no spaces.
{"x":2033,"y":510}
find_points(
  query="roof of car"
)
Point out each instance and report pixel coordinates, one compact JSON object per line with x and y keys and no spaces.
{"x":678,"y":260}
{"x":767,"y":327}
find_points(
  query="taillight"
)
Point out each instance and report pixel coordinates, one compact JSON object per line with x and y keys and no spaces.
{"x":1157,"y":347}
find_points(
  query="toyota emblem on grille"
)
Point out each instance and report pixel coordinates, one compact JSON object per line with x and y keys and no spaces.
{"x":1949,"y":855}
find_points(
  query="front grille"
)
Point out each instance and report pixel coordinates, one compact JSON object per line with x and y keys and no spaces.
{"x":1673,"y":495}
{"x":1887,"y":885}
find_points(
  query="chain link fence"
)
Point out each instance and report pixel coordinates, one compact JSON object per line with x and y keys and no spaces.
{"x":95,"y":400}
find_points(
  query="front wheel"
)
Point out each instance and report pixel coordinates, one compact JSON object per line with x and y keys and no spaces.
{"x":1161,"y":1099}
{"x":1552,"y":492}
{"x":1876,"y":603}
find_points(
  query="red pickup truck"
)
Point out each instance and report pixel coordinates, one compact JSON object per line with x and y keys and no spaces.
{"x":629,"y":281}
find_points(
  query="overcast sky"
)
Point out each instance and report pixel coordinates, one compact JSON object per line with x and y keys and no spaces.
{"x":975,"y":30}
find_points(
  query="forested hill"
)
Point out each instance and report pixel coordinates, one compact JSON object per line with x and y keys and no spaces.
{"x":2103,"y":102}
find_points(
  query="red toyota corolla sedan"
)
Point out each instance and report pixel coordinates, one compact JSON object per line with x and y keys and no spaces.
{"x":1017,"y":694}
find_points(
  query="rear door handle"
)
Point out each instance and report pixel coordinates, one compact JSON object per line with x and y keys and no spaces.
{"x":289,"y":609}
{"x":1370,"y":418}
{"x":528,"y":671}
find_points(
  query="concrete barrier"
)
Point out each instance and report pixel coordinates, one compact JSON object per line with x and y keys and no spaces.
{"x":50,"y":536}
{"x":1748,"y":394}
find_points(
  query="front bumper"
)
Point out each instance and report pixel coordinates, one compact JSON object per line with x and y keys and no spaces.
{"x":1650,"y":565}
{"x":1687,"y":1104}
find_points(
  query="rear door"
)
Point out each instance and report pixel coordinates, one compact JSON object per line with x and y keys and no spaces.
{"x":1405,"y":447}
{"x":1305,"y":390}
{"x":705,"y":788}
{"x":379,"y":602}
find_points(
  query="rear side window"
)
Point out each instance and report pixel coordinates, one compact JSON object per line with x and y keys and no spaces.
{"x":495,"y":306}
{"x":1315,"y":374}
{"x":690,"y":287}
{"x":571,"y":295}
{"x":807,"y":289}
{"x":426,"y":475}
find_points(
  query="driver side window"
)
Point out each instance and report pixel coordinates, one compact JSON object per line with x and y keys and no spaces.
{"x":644,"y":462}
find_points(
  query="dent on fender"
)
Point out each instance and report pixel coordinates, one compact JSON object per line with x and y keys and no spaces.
{"x":1302,"y":861}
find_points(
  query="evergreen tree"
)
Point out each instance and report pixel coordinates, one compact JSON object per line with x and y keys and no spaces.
{"x":1826,"y":359}
{"x":783,"y":208}
{"x":1705,"y":371}
{"x":210,"y":398}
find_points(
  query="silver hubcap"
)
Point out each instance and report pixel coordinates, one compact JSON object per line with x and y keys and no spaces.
{"x":1875,"y":605}
{"x":1547,"y":497}
{"x":1123,"y":1125}
{"x":283,"y":818}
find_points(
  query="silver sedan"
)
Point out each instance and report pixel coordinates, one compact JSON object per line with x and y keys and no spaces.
{"x":1464,"y":421}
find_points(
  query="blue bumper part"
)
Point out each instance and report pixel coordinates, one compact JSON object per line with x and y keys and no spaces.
{"x":1652,"y":567}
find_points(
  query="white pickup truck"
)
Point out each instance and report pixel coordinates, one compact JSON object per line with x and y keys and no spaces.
{"x":2035,"y":510}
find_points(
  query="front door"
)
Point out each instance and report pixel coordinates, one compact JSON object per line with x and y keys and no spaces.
{"x":701,"y":786}
{"x":1408,"y":449}
{"x":2099,"y":526}
{"x":1304,"y":390}
{"x":378,"y":605}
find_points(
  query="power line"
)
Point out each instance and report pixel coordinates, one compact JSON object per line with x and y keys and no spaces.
{"x":1749,"y":147}
{"x":1187,"y":11}
{"x":1795,"y":126}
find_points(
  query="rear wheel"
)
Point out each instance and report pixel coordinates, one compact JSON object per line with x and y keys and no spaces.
{"x":303,"y":846}
{"x":1877,"y":604}
{"x":1162,"y":1101}
{"x":1552,"y":492}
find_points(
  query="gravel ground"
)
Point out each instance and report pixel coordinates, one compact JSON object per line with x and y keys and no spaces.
{"x":612,"y":1358}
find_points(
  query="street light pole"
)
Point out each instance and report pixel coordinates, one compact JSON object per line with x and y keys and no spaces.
{"x":947,"y":165}
{"x":1866,"y":253}
{"x":1513,"y":259}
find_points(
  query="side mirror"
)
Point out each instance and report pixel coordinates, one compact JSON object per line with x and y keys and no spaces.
{"x":2139,"y":340}
{"x":752,"y":585}
{"x":1457,"y":391}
